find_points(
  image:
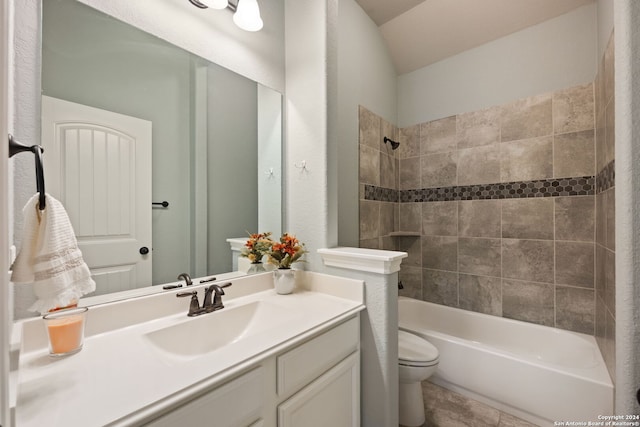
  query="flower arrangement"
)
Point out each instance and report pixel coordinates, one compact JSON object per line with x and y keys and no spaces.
{"x":258,"y":245}
{"x":285,"y":252}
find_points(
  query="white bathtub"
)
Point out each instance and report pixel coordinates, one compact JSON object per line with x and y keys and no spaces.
{"x":534,"y":372}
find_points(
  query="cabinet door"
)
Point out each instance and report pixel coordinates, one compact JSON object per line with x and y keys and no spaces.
{"x":331,"y":400}
{"x":238,"y":403}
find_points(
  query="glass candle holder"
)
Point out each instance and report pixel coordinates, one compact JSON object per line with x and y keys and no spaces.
{"x":65,"y":329}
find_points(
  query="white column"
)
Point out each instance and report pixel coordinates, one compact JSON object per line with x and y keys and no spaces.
{"x":378,"y":327}
{"x":627,"y":130}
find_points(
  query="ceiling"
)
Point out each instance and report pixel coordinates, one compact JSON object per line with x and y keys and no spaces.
{"x":422,"y":32}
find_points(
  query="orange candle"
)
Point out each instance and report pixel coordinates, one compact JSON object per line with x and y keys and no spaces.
{"x":66,"y":330}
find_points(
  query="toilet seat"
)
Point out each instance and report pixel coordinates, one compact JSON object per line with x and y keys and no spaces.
{"x":415,"y":351}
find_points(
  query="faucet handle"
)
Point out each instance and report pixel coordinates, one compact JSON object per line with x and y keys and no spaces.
{"x":194,"y":305}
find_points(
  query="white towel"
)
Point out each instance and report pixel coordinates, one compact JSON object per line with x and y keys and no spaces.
{"x":50,"y":257}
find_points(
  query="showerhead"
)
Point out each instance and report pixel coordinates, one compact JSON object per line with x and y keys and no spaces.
{"x":394,"y":144}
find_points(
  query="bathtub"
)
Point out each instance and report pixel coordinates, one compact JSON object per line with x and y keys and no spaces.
{"x":534,"y":372}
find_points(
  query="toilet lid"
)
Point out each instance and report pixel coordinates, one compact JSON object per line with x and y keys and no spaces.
{"x":412,"y":348}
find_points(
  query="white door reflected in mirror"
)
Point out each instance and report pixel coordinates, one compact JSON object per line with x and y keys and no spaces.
{"x":99,"y":167}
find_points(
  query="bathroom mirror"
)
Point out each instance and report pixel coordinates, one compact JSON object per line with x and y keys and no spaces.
{"x":216,"y":144}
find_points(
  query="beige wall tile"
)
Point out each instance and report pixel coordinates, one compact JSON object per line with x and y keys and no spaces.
{"x":388,"y":243}
{"x":575,"y":218}
{"x":438,"y":136}
{"x":575,"y":264}
{"x":440,"y":253}
{"x":369,"y":124}
{"x":609,"y":352}
{"x":439,"y":170}
{"x":528,"y":260}
{"x":575,"y":310}
{"x":481,"y":294}
{"x":527,"y":218}
{"x":440,"y":287}
{"x":409,"y":173}
{"x":610,"y":280}
{"x":369,"y":219}
{"x":387,"y":218}
{"x":370,"y":243}
{"x":410,"y":217}
{"x":413,"y":247}
{"x":369,"y":165}
{"x":611,"y":219}
{"x":574,"y":154}
{"x":609,"y":70}
{"x":573,"y":109}
{"x":390,"y":131}
{"x":479,"y":128}
{"x":610,"y":132}
{"x":601,"y":322}
{"x":479,"y":165}
{"x":387,"y":172}
{"x":528,"y":301}
{"x":479,"y":218}
{"x":527,"y":159}
{"x":411,"y":278}
{"x":479,"y":256}
{"x":409,"y":142}
{"x":601,"y":143}
{"x":440,"y":218}
{"x":600,"y":281}
{"x":601,"y":218}
{"x":527,"y":118}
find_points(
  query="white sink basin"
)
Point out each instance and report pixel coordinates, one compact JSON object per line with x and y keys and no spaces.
{"x":211,"y":331}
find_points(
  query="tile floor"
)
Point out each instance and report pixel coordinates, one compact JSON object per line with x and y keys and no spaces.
{"x":445,"y":408}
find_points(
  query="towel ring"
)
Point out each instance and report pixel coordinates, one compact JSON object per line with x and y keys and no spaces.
{"x":16,"y":147}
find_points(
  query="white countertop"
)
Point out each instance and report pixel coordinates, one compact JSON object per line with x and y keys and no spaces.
{"x":119,"y":378}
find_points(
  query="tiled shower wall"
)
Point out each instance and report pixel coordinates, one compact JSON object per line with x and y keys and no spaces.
{"x":605,"y":208}
{"x":378,"y":170}
{"x":498,"y":207}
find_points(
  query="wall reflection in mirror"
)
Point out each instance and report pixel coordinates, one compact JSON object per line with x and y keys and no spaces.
{"x":215,"y":144}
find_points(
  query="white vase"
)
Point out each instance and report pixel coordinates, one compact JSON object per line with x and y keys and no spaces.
{"x":284,"y":280}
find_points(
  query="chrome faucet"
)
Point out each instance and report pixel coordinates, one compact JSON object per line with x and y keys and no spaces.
{"x":212,"y":300}
{"x":186,"y":278}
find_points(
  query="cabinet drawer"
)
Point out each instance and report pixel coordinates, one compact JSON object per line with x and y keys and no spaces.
{"x":236,"y":403}
{"x":305,"y":363}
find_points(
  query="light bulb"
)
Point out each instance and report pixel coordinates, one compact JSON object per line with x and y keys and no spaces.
{"x":215,"y":4}
{"x":247,"y":15}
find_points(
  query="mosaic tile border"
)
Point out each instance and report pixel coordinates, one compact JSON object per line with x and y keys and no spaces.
{"x":606,"y":178}
{"x":380,"y":194}
{"x":556,"y":187}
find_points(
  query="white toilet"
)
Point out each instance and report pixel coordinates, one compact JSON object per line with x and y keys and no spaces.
{"x":418,"y":360}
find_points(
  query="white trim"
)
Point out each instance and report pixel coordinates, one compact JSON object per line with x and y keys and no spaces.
{"x":361,"y":259}
{"x":5,"y":320}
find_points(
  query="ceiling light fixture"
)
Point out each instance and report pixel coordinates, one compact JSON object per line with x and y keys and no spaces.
{"x":247,"y":12}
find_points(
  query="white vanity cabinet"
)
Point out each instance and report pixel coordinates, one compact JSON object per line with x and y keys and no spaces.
{"x":311,"y":383}
{"x":239,"y":402}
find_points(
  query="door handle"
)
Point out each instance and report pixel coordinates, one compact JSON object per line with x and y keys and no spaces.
{"x":144,"y":250}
